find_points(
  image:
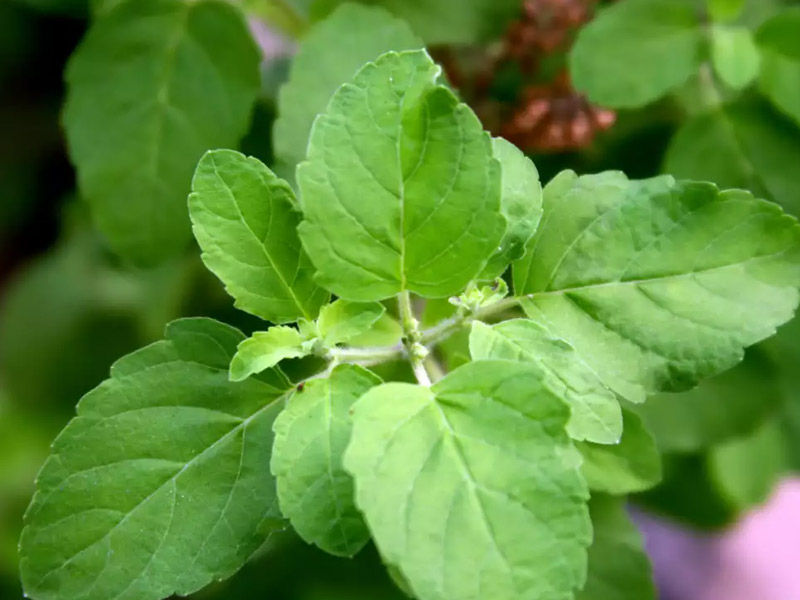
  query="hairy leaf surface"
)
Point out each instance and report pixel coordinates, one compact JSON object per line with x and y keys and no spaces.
{"x":619,"y":57}
{"x":632,"y":465}
{"x":472,"y":487}
{"x":658,"y":284}
{"x":159,"y":485}
{"x":311,"y":434}
{"x":618,"y":566}
{"x":330,"y":54}
{"x":520,"y":203}
{"x":245,"y":219}
{"x":595,"y":410}
{"x":153,"y":85}
{"x":400,"y":190}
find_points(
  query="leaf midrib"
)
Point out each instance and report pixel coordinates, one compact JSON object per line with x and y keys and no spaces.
{"x":259,"y":241}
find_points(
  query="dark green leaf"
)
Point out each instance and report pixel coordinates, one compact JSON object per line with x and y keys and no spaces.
{"x":153,"y":85}
{"x":159,"y":485}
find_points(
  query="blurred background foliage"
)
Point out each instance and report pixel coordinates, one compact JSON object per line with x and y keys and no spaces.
{"x":69,"y":306}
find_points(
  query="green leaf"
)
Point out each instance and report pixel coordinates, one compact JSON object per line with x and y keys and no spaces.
{"x":595,"y":411}
{"x":342,"y":321}
{"x":472,"y":487}
{"x":400,"y":190}
{"x":727,"y":406}
{"x":520,"y":203}
{"x":779,"y":43}
{"x":439,"y":22}
{"x":740,"y":145}
{"x":311,"y":435}
{"x":619,"y":58}
{"x":330,"y":54}
{"x":159,"y":485}
{"x":734,"y":55}
{"x":619,"y":568}
{"x":658,"y":284}
{"x":632,"y":465}
{"x":152,"y":86}
{"x":265,"y":349}
{"x":688,"y":494}
{"x":245,"y":220}
{"x":725,"y":10}
{"x":746,"y":470}
{"x":386,"y":331}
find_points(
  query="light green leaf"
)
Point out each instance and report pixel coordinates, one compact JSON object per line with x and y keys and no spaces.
{"x":740,"y":145}
{"x":779,"y":42}
{"x":619,"y":58}
{"x":727,"y":406}
{"x":595,"y":411}
{"x":618,"y":566}
{"x":520,"y":203}
{"x":330,"y":54}
{"x":746,"y":470}
{"x":342,"y":321}
{"x":386,"y":331}
{"x":153,"y":85}
{"x":265,"y":349}
{"x":245,"y":220}
{"x":311,"y":435}
{"x":734,"y":55}
{"x":658,"y":284}
{"x":159,"y":485}
{"x":400,"y":190}
{"x":632,"y":465}
{"x":472,"y":487}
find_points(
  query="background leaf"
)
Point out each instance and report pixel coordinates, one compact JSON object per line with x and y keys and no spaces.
{"x":330,"y":54}
{"x":734,"y":55}
{"x":153,"y":85}
{"x":476,"y":470}
{"x":311,"y":435}
{"x":618,"y":566}
{"x":158,"y":486}
{"x":400,"y":190}
{"x":632,"y":465}
{"x":245,"y":219}
{"x":658,"y":284}
{"x":618,"y":58}
{"x":740,"y":145}
{"x":780,"y":53}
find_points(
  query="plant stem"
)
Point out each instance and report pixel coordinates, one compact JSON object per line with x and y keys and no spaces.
{"x":416,"y":344}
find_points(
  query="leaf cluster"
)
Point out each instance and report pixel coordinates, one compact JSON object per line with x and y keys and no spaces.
{"x":408,"y":240}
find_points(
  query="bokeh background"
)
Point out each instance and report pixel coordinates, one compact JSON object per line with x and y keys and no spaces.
{"x":724,"y":524}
